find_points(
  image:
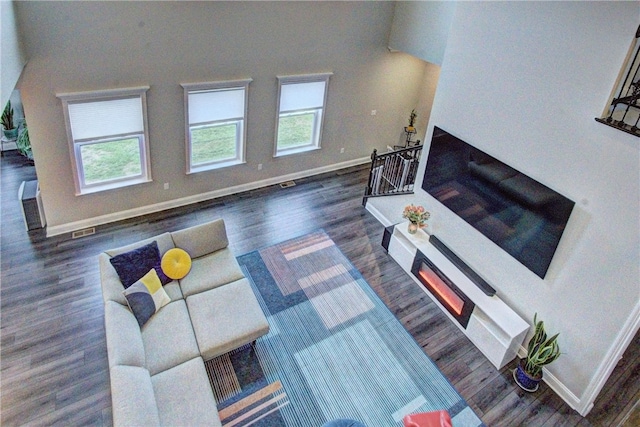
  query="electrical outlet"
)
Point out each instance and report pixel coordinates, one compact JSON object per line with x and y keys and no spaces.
{"x":259,"y":166}
{"x":166,"y":185}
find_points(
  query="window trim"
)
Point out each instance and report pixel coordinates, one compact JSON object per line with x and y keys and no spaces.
{"x":241,"y":122}
{"x":318,"y":124}
{"x":81,"y":188}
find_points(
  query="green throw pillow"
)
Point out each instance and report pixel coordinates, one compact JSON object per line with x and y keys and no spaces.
{"x":146,"y":296}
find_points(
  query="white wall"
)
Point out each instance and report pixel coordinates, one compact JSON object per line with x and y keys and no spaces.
{"x":523,"y":81}
{"x":163,"y":44}
{"x":12,"y":57}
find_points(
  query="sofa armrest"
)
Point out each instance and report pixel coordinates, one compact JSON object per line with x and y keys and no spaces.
{"x":111,"y":285}
{"x":202,"y":239}
{"x":124,"y":339}
{"x":132,"y":397}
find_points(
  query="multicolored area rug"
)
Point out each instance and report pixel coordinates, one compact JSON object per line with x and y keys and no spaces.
{"x":334,"y":349}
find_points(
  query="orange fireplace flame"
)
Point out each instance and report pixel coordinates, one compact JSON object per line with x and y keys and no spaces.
{"x":440,"y":288}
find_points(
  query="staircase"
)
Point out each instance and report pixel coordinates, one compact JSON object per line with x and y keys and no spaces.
{"x":392,"y":173}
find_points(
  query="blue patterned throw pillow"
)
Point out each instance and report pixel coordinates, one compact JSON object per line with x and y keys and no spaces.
{"x":132,"y":265}
{"x":146,"y":296}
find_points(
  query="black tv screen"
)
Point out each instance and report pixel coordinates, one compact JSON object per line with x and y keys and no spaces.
{"x":519,"y":214}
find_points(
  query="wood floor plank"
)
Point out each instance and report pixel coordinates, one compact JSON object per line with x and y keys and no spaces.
{"x":54,"y":368}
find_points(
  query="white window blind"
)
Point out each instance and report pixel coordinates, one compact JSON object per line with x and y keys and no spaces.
{"x":97,"y":119}
{"x":302,"y":96}
{"x":108,"y":138}
{"x":216,"y":105}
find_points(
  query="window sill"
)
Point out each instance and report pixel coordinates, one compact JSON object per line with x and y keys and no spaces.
{"x":214,"y":166}
{"x":298,"y":150}
{"x":111,"y":186}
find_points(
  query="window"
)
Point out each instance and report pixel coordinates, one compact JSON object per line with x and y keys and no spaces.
{"x":623,"y":109}
{"x":108,"y":139}
{"x":301,"y":102}
{"x":215,"y":114}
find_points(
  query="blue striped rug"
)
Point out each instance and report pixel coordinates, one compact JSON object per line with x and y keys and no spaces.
{"x":334,"y":349}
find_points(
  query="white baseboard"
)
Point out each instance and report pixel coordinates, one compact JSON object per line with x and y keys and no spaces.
{"x":70,"y":227}
{"x":378,"y":215}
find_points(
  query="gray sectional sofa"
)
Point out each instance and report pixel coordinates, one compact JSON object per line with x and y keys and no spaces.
{"x":157,"y":371}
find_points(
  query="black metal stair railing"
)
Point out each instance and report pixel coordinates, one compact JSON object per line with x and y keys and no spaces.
{"x":624,"y":111}
{"x":392,"y":173}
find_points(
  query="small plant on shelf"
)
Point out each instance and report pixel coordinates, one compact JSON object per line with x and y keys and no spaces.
{"x":541,"y":351}
{"x":412,"y":121}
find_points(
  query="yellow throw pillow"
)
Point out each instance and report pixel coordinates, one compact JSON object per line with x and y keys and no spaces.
{"x":176,"y":263}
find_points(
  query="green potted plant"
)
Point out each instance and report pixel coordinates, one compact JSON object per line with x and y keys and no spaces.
{"x":540,"y":352}
{"x":23,"y":143}
{"x":10,"y":131}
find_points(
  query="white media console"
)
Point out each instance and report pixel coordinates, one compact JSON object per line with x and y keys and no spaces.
{"x":494,"y":328}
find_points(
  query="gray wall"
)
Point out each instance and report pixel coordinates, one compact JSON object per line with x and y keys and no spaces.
{"x":523,"y":81}
{"x":81,"y":46}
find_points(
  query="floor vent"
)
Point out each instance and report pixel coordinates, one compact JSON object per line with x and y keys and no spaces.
{"x":287,"y":184}
{"x":82,"y":233}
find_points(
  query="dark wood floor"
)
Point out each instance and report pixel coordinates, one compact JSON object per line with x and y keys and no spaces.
{"x":53,"y":350}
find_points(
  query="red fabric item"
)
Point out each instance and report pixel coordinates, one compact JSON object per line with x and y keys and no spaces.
{"x":428,"y":419}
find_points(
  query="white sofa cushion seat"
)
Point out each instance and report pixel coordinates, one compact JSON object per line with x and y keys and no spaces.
{"x":133,"y":397}
{"x":168,"y":338}
{"x":184,"y":396}
{"x":210,"y":271}
{"x":124,"y":340}
{"x":226,"y":318}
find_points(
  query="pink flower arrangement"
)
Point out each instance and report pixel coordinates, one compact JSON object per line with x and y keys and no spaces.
{"x":416,"y":214}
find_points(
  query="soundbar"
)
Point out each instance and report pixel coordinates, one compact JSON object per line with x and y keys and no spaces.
{"x":472,"y":275}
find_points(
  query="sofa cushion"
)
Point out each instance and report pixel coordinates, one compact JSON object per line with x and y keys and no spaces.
{"x":132,"y":397}
{"x":173,"y":290}
{"x":134,"y":264}
{"x":184,"y":397}
{"x":202,"y":239}
{"x":146,"y":296}
{"x":164,"y":240}
{"x":211,"y":271}
{"x":226,"y":318}
{"x":124,"y":339}
{"x":168,"y":338}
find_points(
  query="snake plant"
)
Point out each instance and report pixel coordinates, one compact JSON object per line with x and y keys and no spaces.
{"x":540,"y":350}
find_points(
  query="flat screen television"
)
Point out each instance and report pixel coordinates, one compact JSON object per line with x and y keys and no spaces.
{"x":522,"y":216}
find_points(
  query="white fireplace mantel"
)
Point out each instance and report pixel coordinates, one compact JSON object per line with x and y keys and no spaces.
{"x":494,"y":328}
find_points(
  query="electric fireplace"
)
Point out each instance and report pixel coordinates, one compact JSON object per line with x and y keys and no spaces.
{"x":444,"y":290}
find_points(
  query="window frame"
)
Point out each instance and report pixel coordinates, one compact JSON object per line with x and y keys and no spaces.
{"x":75,"y":145}
{"x":241,"y":124}
{"x":318,"y":125}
